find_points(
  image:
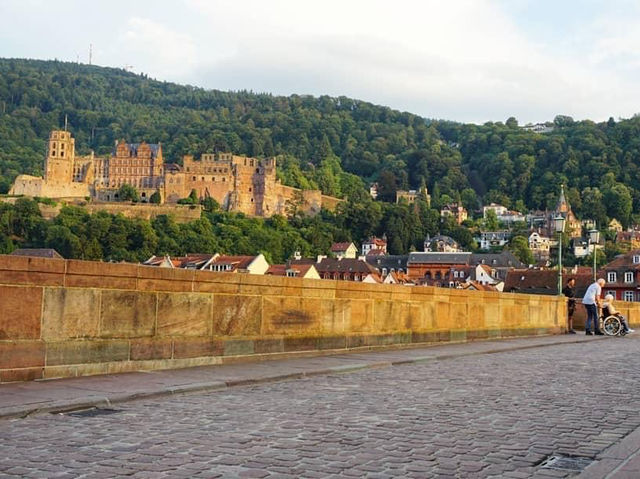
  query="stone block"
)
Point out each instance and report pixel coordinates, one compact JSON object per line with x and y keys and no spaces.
{"x":127,"y":314}
{"x":326,"y":319}
{"x":389,"y":339}
{"x":184,"y":314}
{"x":211,"y":282}
{"x":27,"y":374}
{"x":458,"y":335}
{"x":305,"y":343}
{"x":31,"y":277}
{"x":357,"y":341}
{"x":237,"y":315}
{"x":104,"y":282}
{"x":358,"y":316}
{"x":164,"y":285}
{"x":101,"y":269}
{"x":80,"y":352}
{"x":332,"y":342}
{"x":20,"y":311}
{"x":415,"y":316}
{"x":70,"y":313}
{"x":268,"y":345}
{"x":21,"y":354}
{"x":35,"y":264}
{"x":238,"y":347}
{"x":145,"y":349}
{"x":197,"y":347}
{"x":284,"y":315}
{"x":442,"y":314}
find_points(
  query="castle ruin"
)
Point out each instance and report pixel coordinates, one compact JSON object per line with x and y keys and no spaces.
{"x":237,"y":183}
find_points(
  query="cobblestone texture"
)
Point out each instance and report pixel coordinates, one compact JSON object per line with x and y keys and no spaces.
{"x":491,"y":415}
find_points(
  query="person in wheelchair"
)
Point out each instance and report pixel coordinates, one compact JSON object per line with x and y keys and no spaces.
{"x":608,"y":309}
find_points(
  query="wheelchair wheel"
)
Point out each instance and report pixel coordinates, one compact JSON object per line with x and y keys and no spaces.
{"x":611,"y":326}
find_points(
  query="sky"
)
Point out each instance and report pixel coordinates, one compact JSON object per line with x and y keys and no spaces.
{"x":463,"y":60}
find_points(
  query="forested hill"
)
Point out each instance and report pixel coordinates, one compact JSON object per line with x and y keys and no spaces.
{"x":321,"y":137}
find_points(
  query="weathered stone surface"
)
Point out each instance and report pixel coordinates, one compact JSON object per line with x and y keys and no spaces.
{"x":358,"y":315}
{"x":21,"y":354}
{"x":20,"y":311}
{"x":127,"y":314}
{"x":184,"y":314}
{"x":144,"y":349}
{"x":237,"y":315}
{"x":265,"y":346}
{"x":238,"y":347}
{"x":79,"y":352}
{"x":282,"y":315}
{"x":196,"y":347}
{"x":70,"y":313}
{"x":327,"y":318}
{"x":28,"y":374}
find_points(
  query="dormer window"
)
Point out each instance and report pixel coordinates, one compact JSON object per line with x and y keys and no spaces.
{"x":636,"y":259}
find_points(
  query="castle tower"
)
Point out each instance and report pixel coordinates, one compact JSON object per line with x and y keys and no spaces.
{"x":60,"y":158}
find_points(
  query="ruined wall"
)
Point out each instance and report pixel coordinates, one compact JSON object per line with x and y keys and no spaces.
{"x":181,"y":213}
{"x":64,"y":318}
{"x":35,"y":186}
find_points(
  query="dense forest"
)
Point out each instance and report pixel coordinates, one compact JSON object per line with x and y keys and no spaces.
{"x":339,"y":145}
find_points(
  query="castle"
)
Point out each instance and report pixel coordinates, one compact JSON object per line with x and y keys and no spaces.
{"x":237,"y":183}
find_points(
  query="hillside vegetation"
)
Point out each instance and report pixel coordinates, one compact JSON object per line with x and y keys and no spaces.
{"x":336,"y":144}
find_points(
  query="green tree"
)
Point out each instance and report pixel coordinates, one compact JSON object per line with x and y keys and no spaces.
{"x":519,"y":246}
{"x":128,"y":193}
{"x":155,"y":198}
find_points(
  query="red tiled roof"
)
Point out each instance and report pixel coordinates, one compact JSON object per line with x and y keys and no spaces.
{"x":340,"y":246}
{"x":237,"y":262}
{"x":376,"y":252}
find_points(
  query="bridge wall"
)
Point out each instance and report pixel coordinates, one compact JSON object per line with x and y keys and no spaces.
{"x":62,"y":318}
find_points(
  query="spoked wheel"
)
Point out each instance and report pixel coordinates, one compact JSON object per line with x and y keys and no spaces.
{"x":611,"y":326}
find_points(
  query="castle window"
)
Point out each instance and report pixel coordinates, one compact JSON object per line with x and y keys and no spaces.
{"x":249,"y":188}
{"x":203,"y":178}
{"x":257,"y":170}
{"x":213,"y":178}
{"x":187,"y":169}
{"x":62,"y":146}
{"x":223,"y":178}
{"x":251,"y":200}
{"x":61,"y":154}
{"x":194,"y":178}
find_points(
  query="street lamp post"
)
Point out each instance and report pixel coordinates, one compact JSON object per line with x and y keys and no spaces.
{"x":594,"y":239}
{"x":558,"y":224}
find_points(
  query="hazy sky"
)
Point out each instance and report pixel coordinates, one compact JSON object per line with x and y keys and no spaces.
{"x":464,"y":60}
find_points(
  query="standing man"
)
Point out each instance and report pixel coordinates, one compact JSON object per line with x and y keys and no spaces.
{"x":591,"y":301}
{"x":570,"y":292}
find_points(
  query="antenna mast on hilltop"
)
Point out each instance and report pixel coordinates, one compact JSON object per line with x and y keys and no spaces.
{"x":90,"y":52}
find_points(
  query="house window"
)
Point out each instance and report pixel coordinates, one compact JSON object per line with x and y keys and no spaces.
{"x":636,"y":259}
{"x":611,"y":277}
{"x":356,"y":277}
{"x":628,"y":295}
{"x":628,"y":277}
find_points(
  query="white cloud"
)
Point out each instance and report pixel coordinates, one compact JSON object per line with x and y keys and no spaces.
{"x":151,"y":47}
{"x":466,"y":60}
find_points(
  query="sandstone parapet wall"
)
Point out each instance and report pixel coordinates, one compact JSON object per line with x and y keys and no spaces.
{"x":61,"y":318}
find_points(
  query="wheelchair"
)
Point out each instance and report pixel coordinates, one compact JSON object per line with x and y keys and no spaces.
{"x":611,"y":325}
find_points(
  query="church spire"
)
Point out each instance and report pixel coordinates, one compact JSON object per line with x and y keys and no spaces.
{"x":563,"y":204}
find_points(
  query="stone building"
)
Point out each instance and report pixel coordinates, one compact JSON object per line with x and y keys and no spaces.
{"x":237,"y":183}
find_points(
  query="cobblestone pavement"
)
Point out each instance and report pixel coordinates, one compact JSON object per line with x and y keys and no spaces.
{"x":489,"y":415}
